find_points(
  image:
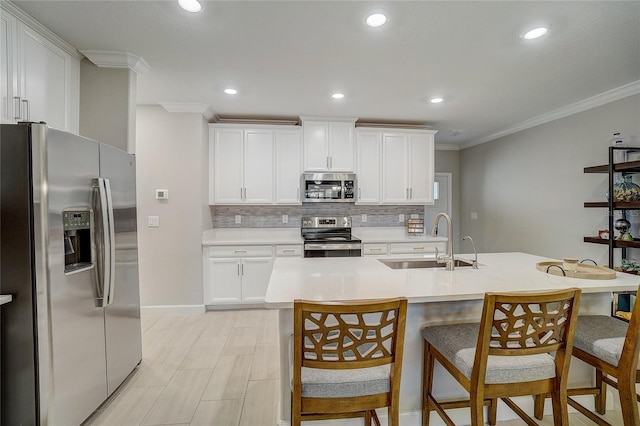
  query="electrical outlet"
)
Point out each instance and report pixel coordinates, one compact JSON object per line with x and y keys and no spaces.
{"x":401,"y":218}
{"x":364,"y":218}
{"x":285,"y":218}
{"x":238,"y":218}
{"x":474,"y":215}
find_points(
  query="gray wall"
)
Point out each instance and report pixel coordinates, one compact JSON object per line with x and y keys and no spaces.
{"x":171,"y":150}
{"x":529,"y":188}
{"x":107,"y":105}
{"x":449,"y":162}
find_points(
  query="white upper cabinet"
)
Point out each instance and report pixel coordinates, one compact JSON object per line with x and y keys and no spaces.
{"x":368,"y":165}
{"x":288,"y":166}
{"x":328,"y":145}
{"x":40,"y":73}
{"x":408,"y":167}
{"x":241,"y":166}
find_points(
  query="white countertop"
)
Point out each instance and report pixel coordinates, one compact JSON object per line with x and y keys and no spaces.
{"x":261,"y":236}
{"x":5,"y":298}
{"x":258,"y":236}
{"x":356,"y":278}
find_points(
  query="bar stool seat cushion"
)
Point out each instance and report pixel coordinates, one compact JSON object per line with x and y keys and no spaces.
{"x":601,"y":336}
{"x":457,"y":342}
{"x":324,"y":383}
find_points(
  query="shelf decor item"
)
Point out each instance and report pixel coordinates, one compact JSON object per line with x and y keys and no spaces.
{"x":626,"y":190}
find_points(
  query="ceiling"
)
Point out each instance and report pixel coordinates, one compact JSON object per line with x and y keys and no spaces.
{"x":286,"y":58}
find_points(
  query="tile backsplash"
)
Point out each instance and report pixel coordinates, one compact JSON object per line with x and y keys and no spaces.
{"x":271,"y":216}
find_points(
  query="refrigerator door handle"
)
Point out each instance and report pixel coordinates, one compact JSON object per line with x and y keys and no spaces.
{"x":112,"y":244}
{"x":106,"y":264}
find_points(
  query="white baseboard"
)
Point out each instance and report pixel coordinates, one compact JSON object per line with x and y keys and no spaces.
{"x":172,"y":309}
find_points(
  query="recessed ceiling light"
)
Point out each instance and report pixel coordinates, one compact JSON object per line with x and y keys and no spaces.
{"x":337,"y":96}
{"x":190,"y":5}
{"x":376,"y":19}
{"x":535,"y":33}
{"x":230,"y":91}
{"x":436,"y":100}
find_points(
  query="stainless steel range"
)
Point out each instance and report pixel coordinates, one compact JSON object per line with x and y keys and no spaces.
{"x":329,"y":237}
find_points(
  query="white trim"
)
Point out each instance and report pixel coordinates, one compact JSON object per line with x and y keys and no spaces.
{"x":107,"y":59}
{"x":184,"y":107}
{"x":333,"y":119}
{"x":172,"y":309}
{"x":630,"y":89}
{"x":446,"y":147}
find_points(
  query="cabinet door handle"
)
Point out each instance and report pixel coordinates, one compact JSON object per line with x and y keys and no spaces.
{"x":238,"y":269}
{"x":359,"y":193}
{"x":418,"y":248}
{"x":241,"y":193}
{"x":288,"y":251}
{"x":411,"y":193}
{"x":240,"y":251}
{"x":375,"y":249}
{"x":407,"y":193}
{"x":242,"y":269}
{"x":327,"y":162}
{"x":17,"y":105}
{"x":27,"y":116}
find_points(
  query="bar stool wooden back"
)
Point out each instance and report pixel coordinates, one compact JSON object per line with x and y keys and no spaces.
{"x":521,"y":346}
{"x":611,"y":346}
{"x":347,"y":359}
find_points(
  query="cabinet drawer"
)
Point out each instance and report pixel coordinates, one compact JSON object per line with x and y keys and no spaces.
{"x":240,"y":251}
{"x":294,"y":250}
{"x":416,"y":248}
{"x":374,"y":249}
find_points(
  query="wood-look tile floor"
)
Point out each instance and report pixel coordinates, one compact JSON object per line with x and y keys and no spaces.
{"x":220,"y":368}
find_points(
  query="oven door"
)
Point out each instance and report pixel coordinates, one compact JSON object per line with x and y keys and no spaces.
{"x":322,"y":249}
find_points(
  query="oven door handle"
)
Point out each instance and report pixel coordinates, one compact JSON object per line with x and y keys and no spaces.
{"x":310,"y":247}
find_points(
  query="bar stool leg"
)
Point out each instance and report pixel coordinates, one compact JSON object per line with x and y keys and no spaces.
{"x":492,"y":413}
{"x":601,"y":396}
{"x":560,"y":410}
{"x":538,"y":406}
{"x":427,"y":383}
{"x":477,"y":407}
{"x":628,"y":401}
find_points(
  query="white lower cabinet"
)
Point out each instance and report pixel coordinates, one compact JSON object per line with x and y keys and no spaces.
{"x":239,"y":275}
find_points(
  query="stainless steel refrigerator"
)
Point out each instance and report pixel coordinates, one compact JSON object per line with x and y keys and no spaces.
{"x":69,"y":257}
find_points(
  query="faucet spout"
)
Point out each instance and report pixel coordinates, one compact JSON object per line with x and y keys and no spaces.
{"x":474,"y":265}
{"x":448,"y":260}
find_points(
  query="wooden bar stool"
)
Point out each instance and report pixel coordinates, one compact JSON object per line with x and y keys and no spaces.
{"x":611,"y":346}
{"x":522,"y":346}
{"x":347,"y":359}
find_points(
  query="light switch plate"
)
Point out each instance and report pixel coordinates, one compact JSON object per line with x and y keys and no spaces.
{"x":474,"y":215}
{"x":238,"y":218}
{"x":364,"y":218}
{"x":154,"y":221}
{"x":401,"y":218}
{"x":285,"y":218}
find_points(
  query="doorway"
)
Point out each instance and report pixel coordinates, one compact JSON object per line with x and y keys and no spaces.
{"x":442,"y":203}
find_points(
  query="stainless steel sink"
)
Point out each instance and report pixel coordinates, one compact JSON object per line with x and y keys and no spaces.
{"x":422,"y":263}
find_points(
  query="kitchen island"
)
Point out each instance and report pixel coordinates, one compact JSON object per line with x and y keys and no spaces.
{"x":435,"y":296}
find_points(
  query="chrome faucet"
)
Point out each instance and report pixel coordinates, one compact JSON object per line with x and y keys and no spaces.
{"x":448,"y":260}
{"x":474,"y":264}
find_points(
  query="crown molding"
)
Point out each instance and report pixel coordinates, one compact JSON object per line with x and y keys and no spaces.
{"x":621,"y":92}
{"x":107,"y":59}
{"x":185,"y":107}
{"x":446,"y":147}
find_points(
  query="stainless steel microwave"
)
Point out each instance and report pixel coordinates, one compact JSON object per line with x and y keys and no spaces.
{"x":328,"y":187}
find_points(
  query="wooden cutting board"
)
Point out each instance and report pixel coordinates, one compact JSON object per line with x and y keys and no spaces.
{"x":584,"y":271}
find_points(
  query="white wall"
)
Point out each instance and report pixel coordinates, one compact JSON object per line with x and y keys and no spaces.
{"x":171,"y":152}
{"x":529,"y":188}
{"x":107,"y":105}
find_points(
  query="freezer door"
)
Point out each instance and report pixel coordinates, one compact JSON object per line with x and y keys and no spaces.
{"x":122,"y":313}
{"x":76,"y":318}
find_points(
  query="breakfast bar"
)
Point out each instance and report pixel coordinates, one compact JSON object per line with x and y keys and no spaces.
{"x":435,"y":296}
